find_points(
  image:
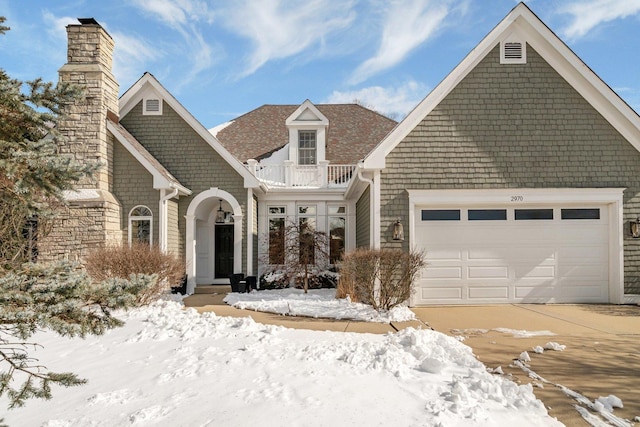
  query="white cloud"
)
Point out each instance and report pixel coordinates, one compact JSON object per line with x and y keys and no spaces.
{"x":177,"y":13}
{"x":280,"y":29}
{"x":395,"y":102}
{"x":56,"y":26}
{"x":184,"y":16}
{"x":588,"y":15}
{"x":407,"y":24}
{"x":131,"y":56}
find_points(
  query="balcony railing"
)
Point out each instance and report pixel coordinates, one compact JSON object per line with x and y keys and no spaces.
{"x":290,"y":175}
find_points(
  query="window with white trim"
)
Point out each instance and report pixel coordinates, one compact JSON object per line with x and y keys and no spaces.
{"x":140,"y":225}
{"x":337,"y":225}
{"x":306,"y":230}
{"x":277,"y":216}
{"x":307,"y":154}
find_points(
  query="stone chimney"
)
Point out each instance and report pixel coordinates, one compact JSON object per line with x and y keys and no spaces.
{"x":92,"y":217}
{"x":89,"y":64}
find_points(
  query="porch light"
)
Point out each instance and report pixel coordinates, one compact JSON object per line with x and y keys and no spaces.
{"x":634,"y":228}
{"x":398,"y":231}
{"x":220,"y":214}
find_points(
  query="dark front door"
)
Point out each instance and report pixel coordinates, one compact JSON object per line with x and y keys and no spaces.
{"x":224,"y":251}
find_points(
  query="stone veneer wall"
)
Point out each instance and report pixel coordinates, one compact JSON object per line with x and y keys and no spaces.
{"x":92,"y":218}
{"x":513,"y":126}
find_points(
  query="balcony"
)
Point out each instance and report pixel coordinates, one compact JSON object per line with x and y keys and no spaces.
{"x":290,"y":175}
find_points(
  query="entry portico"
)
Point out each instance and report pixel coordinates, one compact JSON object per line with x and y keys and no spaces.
{"x":201,"y":228}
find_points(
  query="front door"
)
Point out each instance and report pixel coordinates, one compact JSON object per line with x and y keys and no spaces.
{"x":223,"y":251}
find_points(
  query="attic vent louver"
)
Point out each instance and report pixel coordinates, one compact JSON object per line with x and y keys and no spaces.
{"x":152,"y":106}
{"x":513,"y":52}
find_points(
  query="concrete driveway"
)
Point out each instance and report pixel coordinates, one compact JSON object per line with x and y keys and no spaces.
{"x":602,"y":355}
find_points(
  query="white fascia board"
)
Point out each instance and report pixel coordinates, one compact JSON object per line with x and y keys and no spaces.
{"x":135,"y":94}
{"x":322,"y":120}
{"x":159,"y":180}
{"x":523,"y":21}
{"x":587,"y":83}
{"x":515,"y":196}
{"x":376,"y":159}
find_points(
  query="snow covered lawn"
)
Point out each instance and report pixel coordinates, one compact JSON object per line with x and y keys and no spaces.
{"x":316,"y":303}
{"x":174,"y":367}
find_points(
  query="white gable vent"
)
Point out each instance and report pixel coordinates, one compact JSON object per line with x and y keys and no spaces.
{"x":513,"y":52}
{"x":152,"y":106}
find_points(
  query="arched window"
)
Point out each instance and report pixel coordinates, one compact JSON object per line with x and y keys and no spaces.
{"x":140,"y":225}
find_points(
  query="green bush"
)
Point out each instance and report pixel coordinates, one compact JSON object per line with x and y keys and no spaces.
{"x":122,"y":261}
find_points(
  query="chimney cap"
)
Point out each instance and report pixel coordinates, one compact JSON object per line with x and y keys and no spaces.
{"x":88,"y":21}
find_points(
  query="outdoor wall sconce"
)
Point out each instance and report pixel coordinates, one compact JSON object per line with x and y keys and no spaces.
{"x":398,"y":231}
{"x":220,"y":214}
{"x":634,"y":228}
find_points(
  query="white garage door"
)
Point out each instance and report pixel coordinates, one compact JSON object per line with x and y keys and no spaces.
{"x":531,"y":254}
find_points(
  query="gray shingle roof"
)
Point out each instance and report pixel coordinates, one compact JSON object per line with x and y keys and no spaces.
{"x":353,"y":132}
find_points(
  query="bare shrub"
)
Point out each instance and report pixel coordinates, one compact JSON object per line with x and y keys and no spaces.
{"x":358,"y":272}
{"x":121,"y":261}
{"x":296,"y":252}
{"x":382,"y":278}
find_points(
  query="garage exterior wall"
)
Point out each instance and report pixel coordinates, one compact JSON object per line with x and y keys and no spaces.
{"x":513,"y":126}
{"x":189,"y":158}
{"x":363,"y":220}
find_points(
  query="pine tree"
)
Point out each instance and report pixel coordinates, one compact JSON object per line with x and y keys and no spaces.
{"x":59,"y":297}
{"x":33,"y":175}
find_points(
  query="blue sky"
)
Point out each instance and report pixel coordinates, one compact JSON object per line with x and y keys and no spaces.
{"x":223,"y":58}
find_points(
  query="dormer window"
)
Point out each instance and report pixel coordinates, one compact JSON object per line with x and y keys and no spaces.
{"x":307,"y":153}
{"x":152,"y":107}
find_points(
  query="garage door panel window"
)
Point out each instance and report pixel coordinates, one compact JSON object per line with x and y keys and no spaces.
{"x":441,"y":214}
{"x":580,"y":213}
{"x":487,"y":214}
{"x":533,"y":214}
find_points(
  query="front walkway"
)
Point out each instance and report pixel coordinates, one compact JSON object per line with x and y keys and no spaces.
{"x":213,"y":302}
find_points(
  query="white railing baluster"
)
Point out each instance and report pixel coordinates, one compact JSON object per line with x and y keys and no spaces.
{"x":291,"y":175}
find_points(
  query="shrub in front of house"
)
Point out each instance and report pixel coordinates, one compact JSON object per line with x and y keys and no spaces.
{"x":393,"y":269}
{"x":121,"y":261}
{"x":326,"y":279}
{"x":274,"y":280}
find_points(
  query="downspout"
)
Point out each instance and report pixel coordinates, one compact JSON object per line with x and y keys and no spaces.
{"x":163,"y":233}
{"x":372,"y":206}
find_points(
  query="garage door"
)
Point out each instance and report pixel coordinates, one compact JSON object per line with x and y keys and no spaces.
{"x":502,"y":254}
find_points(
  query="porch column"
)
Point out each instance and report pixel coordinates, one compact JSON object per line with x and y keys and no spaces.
{"x":237,"y":243}
{"x":190,"y":258}
{"x":250,"y":210}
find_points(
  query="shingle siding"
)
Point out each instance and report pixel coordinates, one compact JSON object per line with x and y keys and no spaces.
{"x":513,"y":126}
{"x":174,"y":238}
{"x":189,"y":158}
{"x":133,"y":186}
{"x":363,"y":220}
